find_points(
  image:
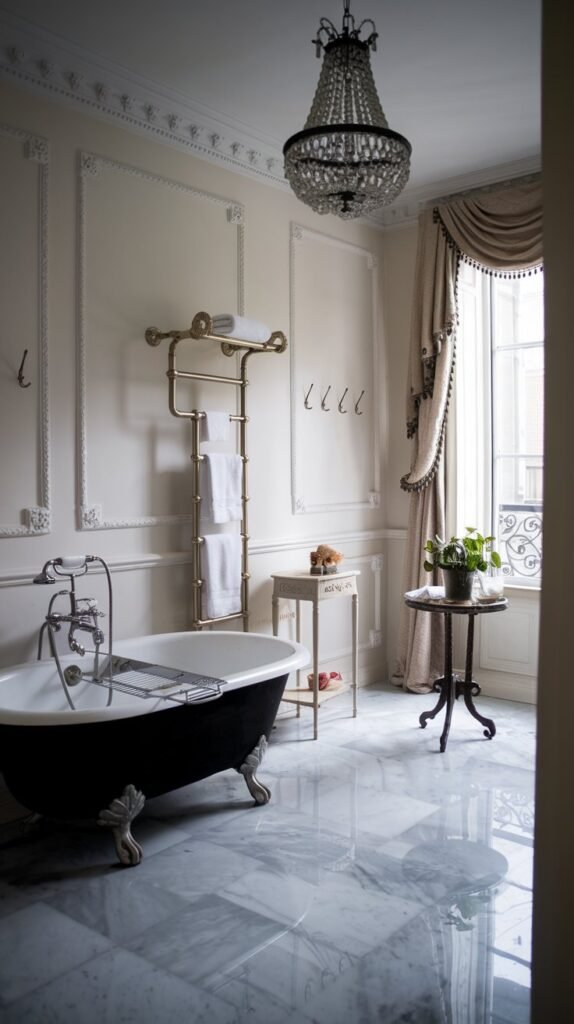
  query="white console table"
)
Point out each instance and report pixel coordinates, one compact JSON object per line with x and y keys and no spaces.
{"x":302,"y":586}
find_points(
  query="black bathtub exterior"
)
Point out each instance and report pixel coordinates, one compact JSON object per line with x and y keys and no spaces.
{"x":75,"y":770}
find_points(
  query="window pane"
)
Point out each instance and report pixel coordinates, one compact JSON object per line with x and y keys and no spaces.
{"x":518,"y":310}
{"x":519,"y":401}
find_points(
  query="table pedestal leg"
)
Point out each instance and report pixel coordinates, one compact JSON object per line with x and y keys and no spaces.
{"x":469,"y":688}
{"x":315,"y":669}
{"x":447,"y":687}
{"x":448,"y":681}
{"x":355,"y":614}
{"x":298,"y":639}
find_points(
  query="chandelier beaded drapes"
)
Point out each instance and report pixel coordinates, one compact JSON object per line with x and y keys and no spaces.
{"x":346,"y":160}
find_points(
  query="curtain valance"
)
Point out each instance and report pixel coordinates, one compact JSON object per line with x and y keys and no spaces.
{"x":498,"y":231}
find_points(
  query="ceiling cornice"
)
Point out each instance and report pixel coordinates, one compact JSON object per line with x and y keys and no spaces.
{"x":65,"y":73}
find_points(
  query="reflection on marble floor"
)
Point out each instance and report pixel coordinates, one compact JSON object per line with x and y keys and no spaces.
{"x":385,"y":882}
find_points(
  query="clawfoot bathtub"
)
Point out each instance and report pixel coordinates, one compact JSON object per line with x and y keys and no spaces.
{"x":103,"y":757}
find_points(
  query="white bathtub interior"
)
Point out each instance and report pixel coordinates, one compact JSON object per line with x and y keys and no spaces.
{"x":32,"y":693}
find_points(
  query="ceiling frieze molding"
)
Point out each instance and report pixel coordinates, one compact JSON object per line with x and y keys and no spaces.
{"x":78,"y":79}
{"x":39,"y":62}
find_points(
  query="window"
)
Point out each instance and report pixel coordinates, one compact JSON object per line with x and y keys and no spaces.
{"x":499,"y":415}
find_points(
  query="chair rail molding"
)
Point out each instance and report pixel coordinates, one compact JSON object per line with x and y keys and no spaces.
{"x":37,"y":518}
{"x":90,"y":166}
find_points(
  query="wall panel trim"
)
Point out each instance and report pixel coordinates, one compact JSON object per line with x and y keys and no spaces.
{"x":38,"y":518}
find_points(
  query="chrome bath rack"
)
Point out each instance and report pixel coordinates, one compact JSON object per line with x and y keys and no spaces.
{"x":146,"y":680}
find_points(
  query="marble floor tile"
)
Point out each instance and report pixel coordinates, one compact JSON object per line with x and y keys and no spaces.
{"x":383,"y":882}
{"x":37,"y":944}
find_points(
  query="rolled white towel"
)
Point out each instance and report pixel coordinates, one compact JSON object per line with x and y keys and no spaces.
{"x":240,"y":327}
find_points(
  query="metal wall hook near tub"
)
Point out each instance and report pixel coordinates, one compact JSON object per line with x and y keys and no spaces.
{"x":340,"y":405}
{"x":306,"y":402}
{"x":324,"y":399}
{"x":357,"y":403}
{"x":21,"y":372}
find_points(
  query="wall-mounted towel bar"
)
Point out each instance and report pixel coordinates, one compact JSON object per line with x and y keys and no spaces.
{"x":202,"y":327}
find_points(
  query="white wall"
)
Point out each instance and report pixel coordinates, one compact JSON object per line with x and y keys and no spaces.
{"x":106,"y":232}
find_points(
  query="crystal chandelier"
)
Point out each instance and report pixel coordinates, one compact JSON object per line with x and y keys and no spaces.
{"x":346,"y":160}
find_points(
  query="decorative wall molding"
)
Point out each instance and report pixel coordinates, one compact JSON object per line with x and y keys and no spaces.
{"x":37,"y":518}
{"x":90,"y":166}
{"x":36,"y":60}
{"x":299,"y":502}
{"x":20,"y":575}
{"x":374,"y":564}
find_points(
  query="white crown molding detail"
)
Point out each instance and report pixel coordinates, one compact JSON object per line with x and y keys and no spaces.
{"x":37,"y":518}
{"x":90,"y":165}
{"x":67,"y":74}
{"x":299,"y":503}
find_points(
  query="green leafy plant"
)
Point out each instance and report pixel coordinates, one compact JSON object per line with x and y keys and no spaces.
{"x":471,"y":552}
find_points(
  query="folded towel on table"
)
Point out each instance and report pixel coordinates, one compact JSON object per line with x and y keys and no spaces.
{"x":215,"y":426}
{"x":221,"y":484}
{"x":426,"y":594}
{"x":221,"y":567}
{"x":240,"y":327}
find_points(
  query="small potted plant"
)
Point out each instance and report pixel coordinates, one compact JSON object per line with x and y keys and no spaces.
{"x":460,"y":558}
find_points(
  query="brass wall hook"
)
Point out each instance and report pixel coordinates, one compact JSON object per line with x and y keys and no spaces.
{"x":357,"y":403}
{"x":21,"y":372}
{"x":306,"y":402}
{"x":324,"y":399}
{"x":340,"y":405}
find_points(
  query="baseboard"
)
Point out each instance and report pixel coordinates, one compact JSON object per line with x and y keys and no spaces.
{"x":506,"y":686}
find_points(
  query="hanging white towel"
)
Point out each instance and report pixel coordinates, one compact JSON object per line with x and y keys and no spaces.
{"x":221,"y":566}
{"x":241,"y":327}
{"x":215,"y":426}
{"x":221,"y":484}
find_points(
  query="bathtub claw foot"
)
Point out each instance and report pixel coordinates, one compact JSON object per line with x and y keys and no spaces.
{"x":118,"y":817}
{"x":31,"y":823}
{"x":260,"y":793}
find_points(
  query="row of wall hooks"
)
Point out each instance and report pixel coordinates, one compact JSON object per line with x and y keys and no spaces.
{"x":327,"y":408}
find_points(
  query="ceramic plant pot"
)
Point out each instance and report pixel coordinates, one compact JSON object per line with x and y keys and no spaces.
{"x":458,"y":584}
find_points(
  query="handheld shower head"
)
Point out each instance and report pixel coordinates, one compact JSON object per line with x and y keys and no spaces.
{"x":44,"y":576}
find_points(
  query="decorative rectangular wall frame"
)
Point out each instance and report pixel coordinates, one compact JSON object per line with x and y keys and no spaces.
{"x":136,"y":454}
{"x":335,"y":456}
{"x":509,"y":642}
{"x":24,"y":413}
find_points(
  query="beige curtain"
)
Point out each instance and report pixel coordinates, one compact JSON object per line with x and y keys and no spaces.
{"x":499,"y":231}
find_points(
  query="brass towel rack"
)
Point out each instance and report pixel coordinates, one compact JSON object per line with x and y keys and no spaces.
{"x":202,"y":328}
